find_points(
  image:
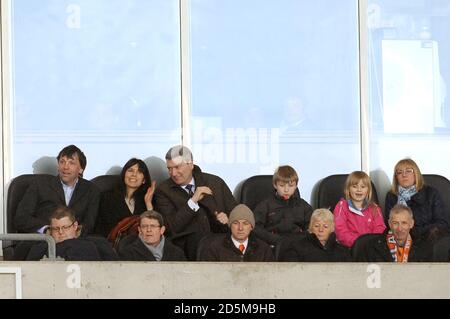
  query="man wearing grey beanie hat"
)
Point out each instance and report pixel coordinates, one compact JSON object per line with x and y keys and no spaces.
{"x":241,"y":244}
{"x":241,"y":211}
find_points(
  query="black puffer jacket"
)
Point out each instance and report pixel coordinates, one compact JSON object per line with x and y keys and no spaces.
{"x":309,"y":249}
{"x":89,"y":248}
{"x":376,"y":250}
{"x":277,"y":218}
{"x":428,"y":209}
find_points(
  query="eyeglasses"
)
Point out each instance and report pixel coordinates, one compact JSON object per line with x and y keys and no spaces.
{"x":405,"y":171}
{"x":151,"y":227}
{"x":61,"y":229}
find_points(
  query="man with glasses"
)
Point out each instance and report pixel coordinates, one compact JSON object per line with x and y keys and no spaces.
{"x":150,"y":244}
{"x":68,"y":189}
{"x":66,"y":230}
{"x":192,"y":202}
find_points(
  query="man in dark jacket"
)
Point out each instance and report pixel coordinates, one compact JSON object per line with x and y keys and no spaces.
{"x":66,"y":230}
{"x":398,"y":243}
{"x":150,"y":244}
{"x":241,"y":245}
{"x":193,"y":203}
{"x":68,"y":189}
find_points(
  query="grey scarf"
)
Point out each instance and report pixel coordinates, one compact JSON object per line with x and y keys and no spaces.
{"x":405,"y":194}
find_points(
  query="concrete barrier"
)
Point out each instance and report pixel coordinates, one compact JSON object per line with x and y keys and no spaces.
{"x":223,"y":280}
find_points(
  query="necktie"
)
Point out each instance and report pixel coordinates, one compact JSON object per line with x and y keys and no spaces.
{"x":189,"y":189}
{"x":242,"y":248}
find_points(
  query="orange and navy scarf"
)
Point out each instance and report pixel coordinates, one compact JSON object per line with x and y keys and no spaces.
{"x":399,"y":254}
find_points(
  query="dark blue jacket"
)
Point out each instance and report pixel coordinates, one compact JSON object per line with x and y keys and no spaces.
{"x":428,"y":208}
{"x":309,"y":249}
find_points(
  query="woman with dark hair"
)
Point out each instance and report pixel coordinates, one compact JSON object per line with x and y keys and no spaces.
{"x":408,"y":188}
{"x":132,"y":196}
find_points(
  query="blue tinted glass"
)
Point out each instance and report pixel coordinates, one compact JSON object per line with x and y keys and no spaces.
{"x":409,"y":76}
{"x":275,"y":82}
{"x":102,"y":74}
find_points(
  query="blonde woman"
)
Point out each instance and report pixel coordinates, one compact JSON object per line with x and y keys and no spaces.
{"x":408,"y":188}
{"x":320,"y":243}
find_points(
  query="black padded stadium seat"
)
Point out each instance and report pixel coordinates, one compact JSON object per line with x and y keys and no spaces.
{"x":106,"y":182}
{"x":331,"y":189}
{"x":16,"y":190}
{"x":359,"y":245}
{"x":441,"y":249}
{"x":442,"y":184}
{"x":254,"y":190}
{"x":127,"y":240}
{"x":282,"y":246}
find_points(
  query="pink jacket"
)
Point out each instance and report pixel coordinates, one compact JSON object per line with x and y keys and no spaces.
{"x":349,"y":225}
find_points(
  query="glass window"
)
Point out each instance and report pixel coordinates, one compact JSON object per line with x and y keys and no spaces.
{"x":409,"y":74}
{"x":273,"y":83}
{"x":103,"y":75}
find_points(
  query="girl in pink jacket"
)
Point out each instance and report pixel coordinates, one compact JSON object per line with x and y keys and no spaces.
{"x":357,"y":214}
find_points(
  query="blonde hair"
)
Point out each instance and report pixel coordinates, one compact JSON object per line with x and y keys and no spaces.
{"x":353,"y":179}
{"x":285,"y":174}
{"x":325,"y":215}
{"x":407,"y":162}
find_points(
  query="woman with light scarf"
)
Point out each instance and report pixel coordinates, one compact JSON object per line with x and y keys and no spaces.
{"x":408,"y":188}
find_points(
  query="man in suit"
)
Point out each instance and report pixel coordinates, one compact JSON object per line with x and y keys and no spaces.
{"x":193,"y":203}
{"x":67,"y":189}
{"x":150,"y":244}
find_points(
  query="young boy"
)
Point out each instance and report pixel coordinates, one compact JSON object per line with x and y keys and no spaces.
{"x":285,"y":213}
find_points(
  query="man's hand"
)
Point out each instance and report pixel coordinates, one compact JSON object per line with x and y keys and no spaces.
{"x":222,"y":218}
{"x":200,"y":193}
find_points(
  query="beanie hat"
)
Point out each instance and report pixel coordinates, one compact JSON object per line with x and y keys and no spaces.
{"x":241,"y":211}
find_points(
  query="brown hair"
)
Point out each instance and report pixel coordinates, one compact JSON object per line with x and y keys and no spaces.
{"x":151,"y":214}
{"x":63,"y":211}
{"x":70,"y":151}
{"x":285,"y":174}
